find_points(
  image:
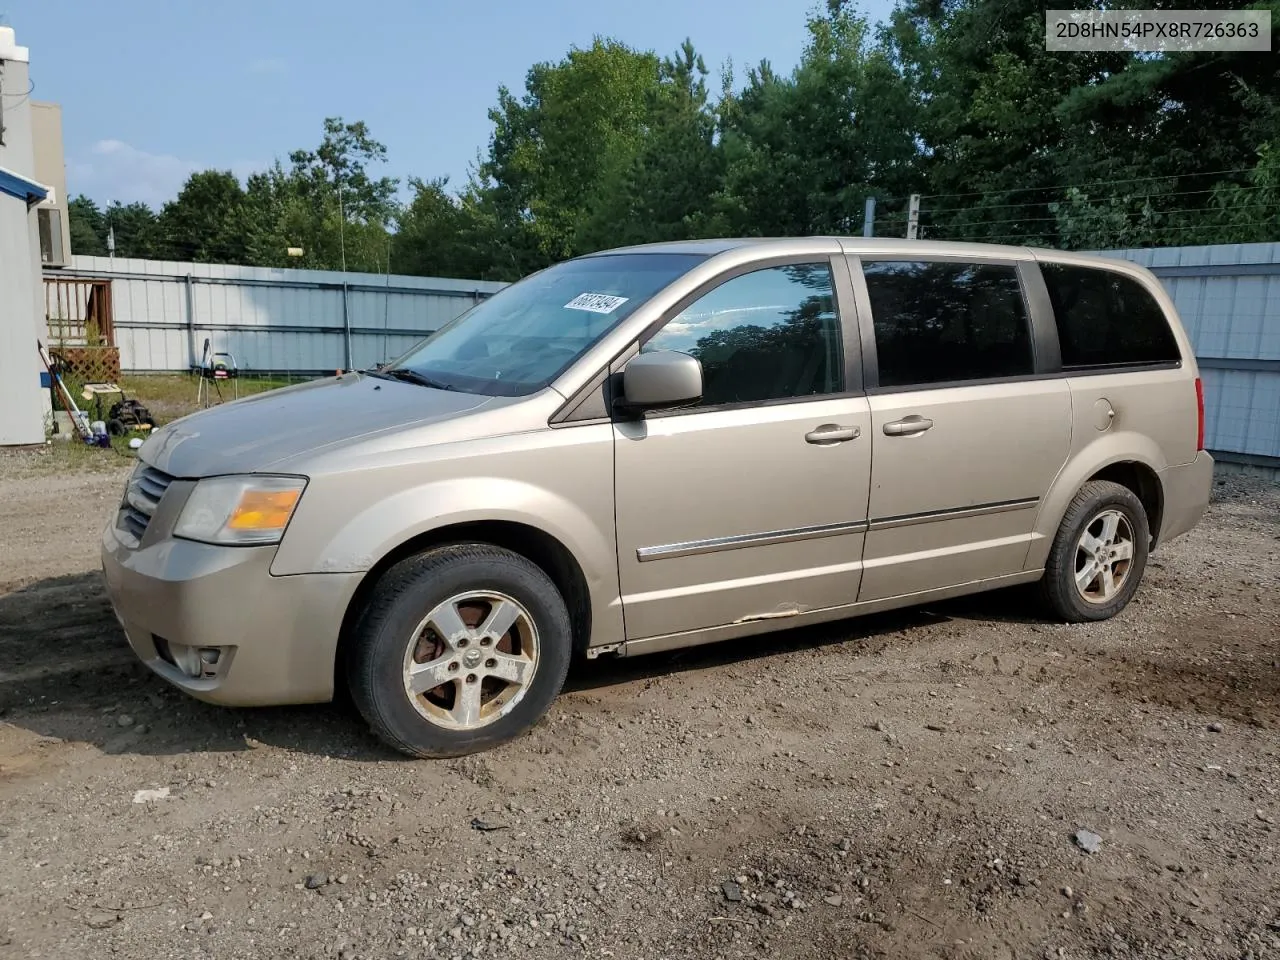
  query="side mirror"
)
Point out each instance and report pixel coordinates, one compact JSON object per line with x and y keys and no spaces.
{"x":661,"y":380}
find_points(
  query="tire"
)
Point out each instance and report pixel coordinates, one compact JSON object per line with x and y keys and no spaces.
{"x":116,"y":428}
{"x":411,"y":609}
{"x":1073,"y":559}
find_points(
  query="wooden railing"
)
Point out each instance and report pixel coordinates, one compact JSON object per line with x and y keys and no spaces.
{"x":78,"y":312}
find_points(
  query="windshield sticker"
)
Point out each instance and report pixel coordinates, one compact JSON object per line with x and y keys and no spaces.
{"x":596,"y":302}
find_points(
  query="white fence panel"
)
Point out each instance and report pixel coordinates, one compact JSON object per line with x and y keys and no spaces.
{"x":291,"y":321}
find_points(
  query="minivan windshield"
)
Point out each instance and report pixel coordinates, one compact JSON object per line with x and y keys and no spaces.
{"x":524,"y":336}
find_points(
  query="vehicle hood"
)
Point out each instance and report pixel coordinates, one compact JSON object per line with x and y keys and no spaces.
{"x":267,"y":429}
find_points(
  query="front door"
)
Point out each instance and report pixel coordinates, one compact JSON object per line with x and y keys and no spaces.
{"x":965,"y":437}
{"x":751,"y":505}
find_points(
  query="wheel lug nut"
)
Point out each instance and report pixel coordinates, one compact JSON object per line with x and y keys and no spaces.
{"x":471,"y":678}
{"x":453,"y":667}
{"x":491,"y":663}
{"x":462,"y":642}
{"x":485,"y":641}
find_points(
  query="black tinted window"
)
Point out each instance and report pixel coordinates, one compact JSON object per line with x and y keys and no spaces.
{"x":938,"y":321}
{"x":765,"y":335}
{"x":1106,"y":319}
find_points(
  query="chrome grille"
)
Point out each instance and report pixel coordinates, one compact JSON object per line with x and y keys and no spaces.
{"x":141,"y":497}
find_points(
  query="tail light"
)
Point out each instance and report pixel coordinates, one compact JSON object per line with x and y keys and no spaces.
{"x":1199,"y":414}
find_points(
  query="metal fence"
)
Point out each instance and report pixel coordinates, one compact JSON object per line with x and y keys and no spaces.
{"x":307,"y":321}
{"x":1229,"y":298}
{"x":277,"y":321}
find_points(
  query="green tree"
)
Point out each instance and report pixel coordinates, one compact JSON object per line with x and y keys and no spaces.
{"x":988,"y":120}
{"x":277,"y":215}
{"x":1099,"y":149}
{"x":439,"y":234}
{"x":665,"y":190}
{"x":326,"y":202}
{"x":803,"y":152}
{"x":133,"y":224}
{"x":204,"y":223}
{"x":1248,"y":213}
{"x":87,"y":227}
{"x":1173,"y":131}
{"x":135,"y":229}
{"x":579,"y":123}
{"x":332,"y":204}
{"x":1087,"y":221}
{"x":339,"y":166}
{"x":955,"y":99}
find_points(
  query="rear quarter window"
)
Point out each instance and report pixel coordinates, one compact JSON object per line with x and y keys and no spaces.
{"x":1107,"y":319}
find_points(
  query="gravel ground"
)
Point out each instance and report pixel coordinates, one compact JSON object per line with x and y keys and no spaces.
{"x":907,"y":785}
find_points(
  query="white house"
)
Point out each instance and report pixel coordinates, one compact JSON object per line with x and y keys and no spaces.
{"x":23,"y":402}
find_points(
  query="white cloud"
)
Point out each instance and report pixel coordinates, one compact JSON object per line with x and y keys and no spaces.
{"x":115,"y":170}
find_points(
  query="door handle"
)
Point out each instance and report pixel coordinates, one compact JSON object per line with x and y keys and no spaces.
{"x":832,"y":433}
{"x":907,"y":426}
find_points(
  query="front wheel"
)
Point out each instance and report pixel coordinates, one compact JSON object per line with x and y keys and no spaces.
{"x":459,"y":649}
{"x":1099,"y":554}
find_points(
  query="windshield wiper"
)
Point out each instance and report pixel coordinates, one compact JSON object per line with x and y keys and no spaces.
{"x":410,"y":376}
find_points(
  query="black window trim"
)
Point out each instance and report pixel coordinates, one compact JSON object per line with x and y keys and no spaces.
{"x":1043,"y":332}
{"x":608,"y":379}
{"x":1047,"y":350}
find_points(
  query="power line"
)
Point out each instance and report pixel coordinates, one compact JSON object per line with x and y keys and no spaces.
{"x":1168,"y":176}
{"x":1041,"y":203}
{"x":31,"y":85}
{"x":1121,"y":213}
{"x":1156,"y":231}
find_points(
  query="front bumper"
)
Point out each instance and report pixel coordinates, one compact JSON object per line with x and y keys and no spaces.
{"x":1186,"y":495}
{"x":278,"y":636}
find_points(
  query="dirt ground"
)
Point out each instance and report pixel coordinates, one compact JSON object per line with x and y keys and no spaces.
{"x":908,"y":785}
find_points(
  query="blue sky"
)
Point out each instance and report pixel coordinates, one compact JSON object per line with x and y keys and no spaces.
{"x":154,"y":89}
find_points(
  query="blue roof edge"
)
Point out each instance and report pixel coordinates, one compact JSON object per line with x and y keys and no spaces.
{"x":24,"y":188}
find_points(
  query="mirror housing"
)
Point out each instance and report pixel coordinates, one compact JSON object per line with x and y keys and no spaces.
{"x":660,"y":380}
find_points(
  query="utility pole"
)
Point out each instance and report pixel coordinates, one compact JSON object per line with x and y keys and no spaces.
{"x":869,"y":217}
{"x":111,"y":242}
{"x":386,"y":306}
{"x":913,"y":217}
{"x":342,"y":222}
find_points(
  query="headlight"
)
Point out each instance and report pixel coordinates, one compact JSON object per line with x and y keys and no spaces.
{"x":239,"y":510}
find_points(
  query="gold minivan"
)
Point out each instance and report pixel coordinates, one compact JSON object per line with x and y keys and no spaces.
{"x":661,"y":446}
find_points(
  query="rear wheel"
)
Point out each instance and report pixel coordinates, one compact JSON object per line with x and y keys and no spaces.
{"x":1099,"y":554}
{"x":459,"y":649}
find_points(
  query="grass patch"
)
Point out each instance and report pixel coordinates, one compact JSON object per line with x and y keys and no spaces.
{"x":172,"y":395}
{"x":168,"y":396}
{"x":66,"y":456}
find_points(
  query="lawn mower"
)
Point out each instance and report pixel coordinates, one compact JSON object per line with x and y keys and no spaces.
{"x":124,"y":415}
